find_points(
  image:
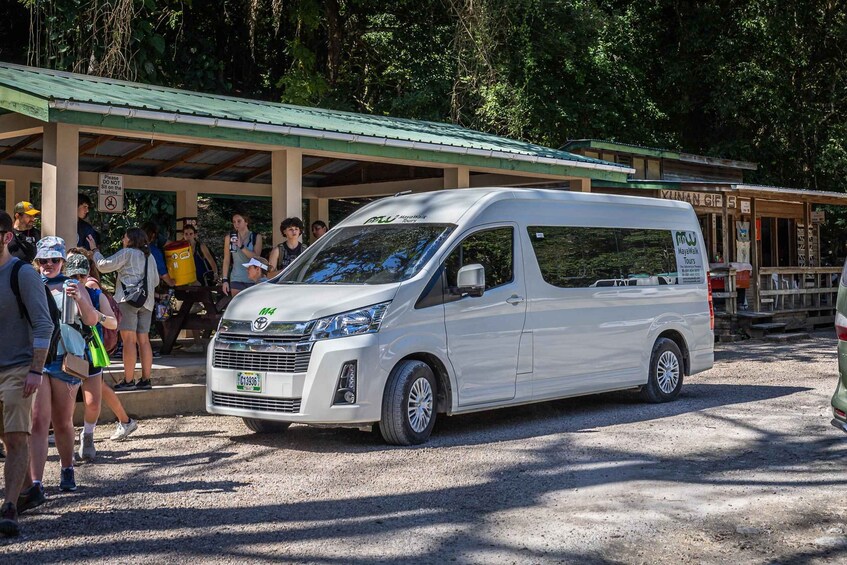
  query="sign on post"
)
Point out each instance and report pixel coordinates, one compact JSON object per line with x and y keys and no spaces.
{"x":111,"y":193}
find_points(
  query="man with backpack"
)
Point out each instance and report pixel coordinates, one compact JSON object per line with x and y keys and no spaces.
{"x":22,"y":245}
{"x":27,"y":328}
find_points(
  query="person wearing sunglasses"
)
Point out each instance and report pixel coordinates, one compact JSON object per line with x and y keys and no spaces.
{"x":318,"y":229}
{"x":56,"y":396}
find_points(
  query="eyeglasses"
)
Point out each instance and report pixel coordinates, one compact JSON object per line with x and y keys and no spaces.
{"x":53,"y":260}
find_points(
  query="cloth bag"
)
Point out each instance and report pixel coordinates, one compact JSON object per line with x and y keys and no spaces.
{"x":97,"y":351}
{"x":136,"y":294}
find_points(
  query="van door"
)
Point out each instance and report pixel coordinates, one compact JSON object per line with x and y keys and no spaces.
{"x":483,"y":333}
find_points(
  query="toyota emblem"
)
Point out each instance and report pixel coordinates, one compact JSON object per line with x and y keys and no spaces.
{"x":260,"y":324}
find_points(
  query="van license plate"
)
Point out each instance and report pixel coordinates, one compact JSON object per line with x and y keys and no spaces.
{"x":248,"y":381}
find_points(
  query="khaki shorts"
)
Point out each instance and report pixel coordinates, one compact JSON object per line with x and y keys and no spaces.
{"x":17,"y":410}
{"x":134,"y":319}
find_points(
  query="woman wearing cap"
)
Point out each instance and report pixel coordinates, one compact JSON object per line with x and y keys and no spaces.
{"x":257,"y":269}
{"x":94,"y":389}
{"x":130,"y":264}
{"x":57,"y":395}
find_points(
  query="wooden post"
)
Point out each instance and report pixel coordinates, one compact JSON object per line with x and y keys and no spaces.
{"x":458,"y":177}
{"x":754,"y":256}
{"x":60,"y":181}
{"x":580,"y":185}
{"x":727,"y":248}
{"x":186,"y":203}
{"x":286,"y":187}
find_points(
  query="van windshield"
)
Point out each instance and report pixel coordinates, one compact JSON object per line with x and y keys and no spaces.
{"x":367,"y":254}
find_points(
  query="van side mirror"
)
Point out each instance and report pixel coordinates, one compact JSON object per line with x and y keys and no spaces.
{"x":471,"y":280}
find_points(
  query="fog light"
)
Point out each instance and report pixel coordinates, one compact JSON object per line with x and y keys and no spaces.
{"x":345,"y":392}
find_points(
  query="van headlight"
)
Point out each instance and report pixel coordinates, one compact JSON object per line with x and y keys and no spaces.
{"x":356,"y":322}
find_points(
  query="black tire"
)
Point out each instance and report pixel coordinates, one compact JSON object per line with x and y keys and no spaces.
{"x":667,"y":368}
{"x":265,"y":426}
{"x":408,"y":405}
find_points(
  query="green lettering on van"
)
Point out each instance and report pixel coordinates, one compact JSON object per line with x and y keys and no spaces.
{"x":267,"y":311}
{"x":381,"y":219}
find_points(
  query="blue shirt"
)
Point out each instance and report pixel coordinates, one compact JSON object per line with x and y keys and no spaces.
{"x":83,"y":230}
{"x":159,"y":257}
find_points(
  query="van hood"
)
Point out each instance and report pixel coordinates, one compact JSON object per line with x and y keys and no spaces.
{"x":302,"y":302}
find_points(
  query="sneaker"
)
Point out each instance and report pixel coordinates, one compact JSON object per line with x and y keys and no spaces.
{"x":122,"y":431}
{"x":157,"y":354}
{"x":86,"y":451}
{"x":67,"y":483}
{"x":143,"y":384}
{"x":31,"y":497}
{"x":123,"y":385}
{"x":9,"y":520}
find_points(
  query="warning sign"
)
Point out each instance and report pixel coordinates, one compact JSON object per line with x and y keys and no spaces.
{"x":689,"y":260}
{"x":111,"y":193}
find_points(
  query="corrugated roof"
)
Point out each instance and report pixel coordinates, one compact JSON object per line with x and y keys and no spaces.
{"x":59,"y":96}
{"x":601,"y":144}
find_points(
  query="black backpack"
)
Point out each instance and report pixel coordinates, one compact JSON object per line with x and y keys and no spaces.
{"x":55,"y":316}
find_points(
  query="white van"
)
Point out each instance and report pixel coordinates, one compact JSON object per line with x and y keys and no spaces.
{"x":465,"y":300}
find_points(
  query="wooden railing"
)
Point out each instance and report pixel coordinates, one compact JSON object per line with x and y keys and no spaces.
{"x":798,"y":289}
{"x":725,"y":300}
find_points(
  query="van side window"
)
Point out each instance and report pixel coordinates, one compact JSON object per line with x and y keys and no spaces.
{"x":493,"y":249}
{"x":579,"y":257}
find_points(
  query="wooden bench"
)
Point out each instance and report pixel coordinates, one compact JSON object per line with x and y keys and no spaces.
{"x":213,"y":302}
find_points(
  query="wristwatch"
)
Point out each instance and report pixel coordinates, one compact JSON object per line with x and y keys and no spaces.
{"x":102,"y":318}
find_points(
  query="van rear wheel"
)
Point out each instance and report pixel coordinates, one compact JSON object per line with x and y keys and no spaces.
{"x":408,"y":405}
{"x":265,"y":426}
{"x":666,"y":371}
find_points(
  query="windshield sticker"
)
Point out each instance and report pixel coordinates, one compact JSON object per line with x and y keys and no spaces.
{"x":689,"y":260}
{"x":267,"y":311}
{"x":399,"y":218}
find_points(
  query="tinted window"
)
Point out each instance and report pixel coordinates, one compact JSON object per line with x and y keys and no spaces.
{"x":493,"y":249}
{"x":367,"y":255}
{"x":576,"y":257}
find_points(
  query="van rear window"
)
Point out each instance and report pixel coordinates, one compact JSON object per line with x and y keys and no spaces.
{"x":584,"y":257}
{"x":372,"y":254}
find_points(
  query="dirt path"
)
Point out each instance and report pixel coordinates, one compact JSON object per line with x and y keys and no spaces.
{"x":743,"y":468}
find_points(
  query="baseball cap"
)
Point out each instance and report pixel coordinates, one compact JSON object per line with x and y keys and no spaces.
{"x":50,"y":246}
{"x":26,"y":208}
{"x":256,"y":263}
{"x":77,"y":264}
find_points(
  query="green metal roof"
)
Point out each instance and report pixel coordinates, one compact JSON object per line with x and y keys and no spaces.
{"x":85,"y":100}
{"x":603,"y":145}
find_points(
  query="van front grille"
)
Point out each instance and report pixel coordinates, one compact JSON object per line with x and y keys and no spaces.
{"x":262,"y":361}
{"x":286,"y":405}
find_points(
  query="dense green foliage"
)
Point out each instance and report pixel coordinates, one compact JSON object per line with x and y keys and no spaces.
{"x":758,"y":80}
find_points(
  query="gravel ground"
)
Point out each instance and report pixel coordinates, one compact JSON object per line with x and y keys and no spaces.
{"x":743,"y":468}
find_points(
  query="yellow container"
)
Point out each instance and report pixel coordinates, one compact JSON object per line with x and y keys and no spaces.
{"x":180,"y":262}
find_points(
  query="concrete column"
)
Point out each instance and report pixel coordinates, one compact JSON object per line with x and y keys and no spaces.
{"x":17,"y":190}
{"x":286,"y":187}
{"x":186,"y":203}
{"x":60,"y":181}
{"x":580,"y":185}
{"x":458,"y":177}
{"x":318,"y":210}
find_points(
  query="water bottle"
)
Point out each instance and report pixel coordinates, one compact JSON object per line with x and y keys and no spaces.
{"x":233,"y":242}
{"x":68,"y":304}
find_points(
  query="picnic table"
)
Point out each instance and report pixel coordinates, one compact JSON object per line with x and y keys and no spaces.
{"x":213,"y":302}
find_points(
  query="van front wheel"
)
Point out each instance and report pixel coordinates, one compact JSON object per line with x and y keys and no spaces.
{"x":265,"y":426}
{"x":666,"y":371}
{"x":408,"y":406}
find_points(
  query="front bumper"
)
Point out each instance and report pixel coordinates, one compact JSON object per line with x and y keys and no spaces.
{"x":305,"y":397}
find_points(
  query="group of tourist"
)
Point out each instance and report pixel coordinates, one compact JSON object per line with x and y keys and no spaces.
{"x":40,"y":377}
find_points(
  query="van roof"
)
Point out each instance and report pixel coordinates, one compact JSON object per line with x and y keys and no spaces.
{"x":449,"y":206}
